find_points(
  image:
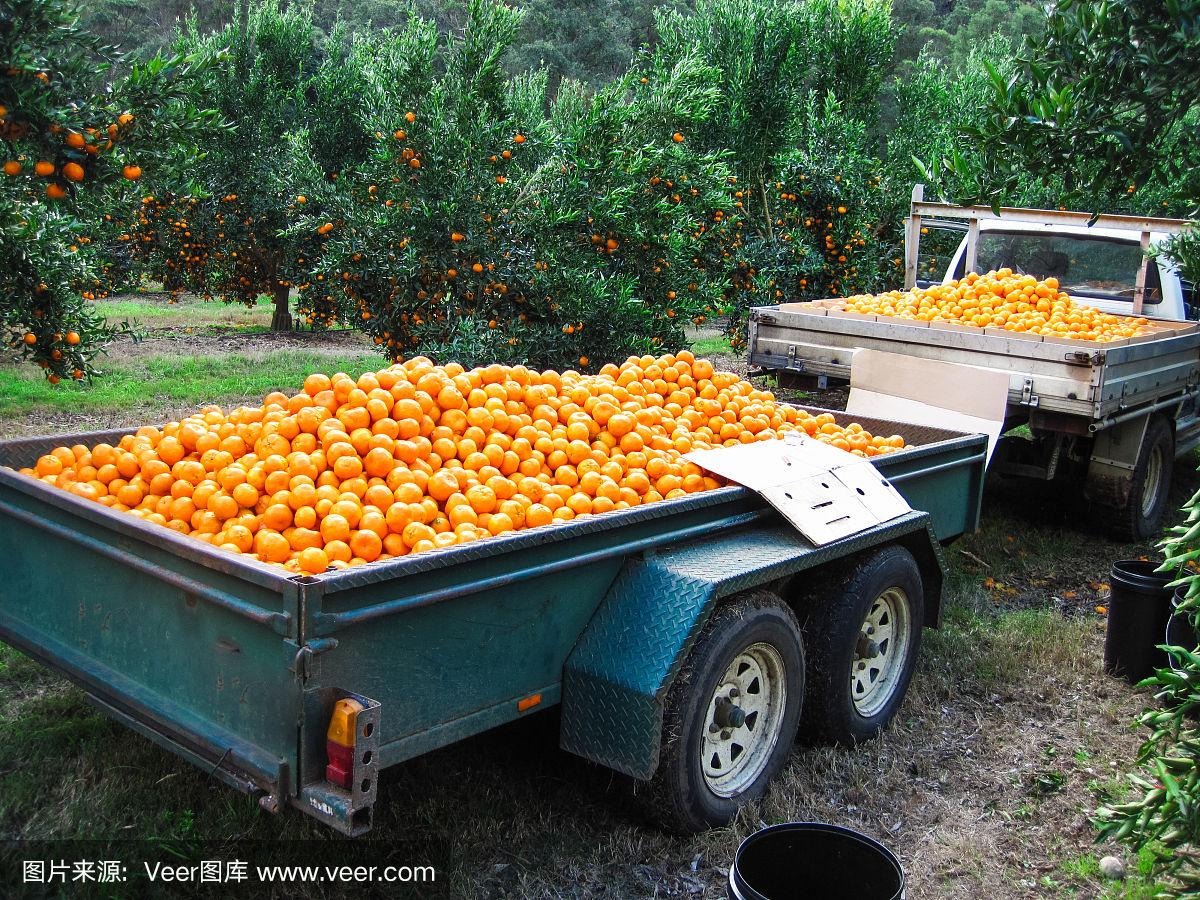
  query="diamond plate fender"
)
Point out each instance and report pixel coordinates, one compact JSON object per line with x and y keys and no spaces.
{"x":616,"y":679}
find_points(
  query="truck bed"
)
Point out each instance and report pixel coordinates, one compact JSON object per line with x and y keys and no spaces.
{"x":1087,"y":379}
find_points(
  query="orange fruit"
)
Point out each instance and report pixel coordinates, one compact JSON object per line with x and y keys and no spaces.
{"x":416,"y":532}
{"x":366,"y":545}
{"x":442,"y":484}
{"x":338,"y":551}
{"x":272,"y":546}
{"x":335,"y":527}
{"x":313,"y":560}
{"x":499,"y":523}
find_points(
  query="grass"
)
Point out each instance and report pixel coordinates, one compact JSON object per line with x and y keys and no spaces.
{"x":717,"y":345}
{"x":136,"y":383}
{"x":141,"y":383}
{"x":157,"y":311}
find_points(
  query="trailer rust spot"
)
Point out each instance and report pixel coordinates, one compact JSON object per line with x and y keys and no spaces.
{"x":228,"y":646}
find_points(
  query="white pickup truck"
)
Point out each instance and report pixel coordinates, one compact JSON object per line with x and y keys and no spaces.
{"x":1111,"y":417}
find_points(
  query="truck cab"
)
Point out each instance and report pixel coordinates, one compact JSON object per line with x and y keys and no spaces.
{"x":1095,"y":265}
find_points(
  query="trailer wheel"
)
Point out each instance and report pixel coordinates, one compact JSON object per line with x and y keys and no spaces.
{"x":731,"y":715}
{"x":863,"y":637}
{"x":1151,"y":485}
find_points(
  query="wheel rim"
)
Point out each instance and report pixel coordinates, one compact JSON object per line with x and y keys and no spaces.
{"x":1151,"y":485}
{"x":881,"y":652}
{"x":745,"y":714}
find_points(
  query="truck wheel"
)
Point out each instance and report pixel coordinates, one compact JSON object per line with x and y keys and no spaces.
{"x":863,"y":638}
{"x":731,"y":715}
{"x":1151,"y":485}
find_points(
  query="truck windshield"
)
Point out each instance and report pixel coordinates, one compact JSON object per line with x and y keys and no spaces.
{"x":1104,"y":268}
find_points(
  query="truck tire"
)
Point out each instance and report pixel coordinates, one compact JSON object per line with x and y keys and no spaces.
{"x":731,"y":715}
{"x":1151,"y":486}
{"x":863,"y":638}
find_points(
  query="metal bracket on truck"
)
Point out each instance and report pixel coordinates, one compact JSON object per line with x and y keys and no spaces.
{"x":617,"y":677}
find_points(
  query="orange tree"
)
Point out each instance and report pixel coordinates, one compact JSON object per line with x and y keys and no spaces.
{"x":797,"y":85}
{"x":1105,"y":103}
{"x":78,"y":125}
{"x":490,"y":224}
{"x":219,"y":224}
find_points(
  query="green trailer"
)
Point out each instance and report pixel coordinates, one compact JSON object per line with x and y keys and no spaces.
{"x":685,"y":641}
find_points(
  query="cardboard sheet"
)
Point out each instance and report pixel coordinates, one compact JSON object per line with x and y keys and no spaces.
{"x":824,"y":492}
{"x":928,"y":392}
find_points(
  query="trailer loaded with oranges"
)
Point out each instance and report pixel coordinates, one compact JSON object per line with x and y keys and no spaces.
{"x":297,"y":594}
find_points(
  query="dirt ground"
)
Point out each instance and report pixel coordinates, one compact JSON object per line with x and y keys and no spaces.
{"x":245,"y":343}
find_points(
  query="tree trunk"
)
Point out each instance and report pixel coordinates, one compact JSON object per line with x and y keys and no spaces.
{"x":281,"y":320}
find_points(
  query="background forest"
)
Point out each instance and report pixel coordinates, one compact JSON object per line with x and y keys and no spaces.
{"x":587,"y":41}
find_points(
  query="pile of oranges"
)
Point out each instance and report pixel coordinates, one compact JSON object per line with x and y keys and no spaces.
{"x":419,"y":456}
{"x":1002,"y":299}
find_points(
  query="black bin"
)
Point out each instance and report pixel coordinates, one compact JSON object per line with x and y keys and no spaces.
{"x":1138,"y":613}
{"x":811,"y":861}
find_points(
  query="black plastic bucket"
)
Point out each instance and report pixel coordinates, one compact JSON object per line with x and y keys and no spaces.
{"x":1138,"y":613}
{"x":811,"y":861}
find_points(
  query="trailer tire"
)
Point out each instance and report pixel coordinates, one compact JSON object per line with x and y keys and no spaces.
{"x":1151,"y":485}
{"x":750,"y":648}
{"x":845,"y":704}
